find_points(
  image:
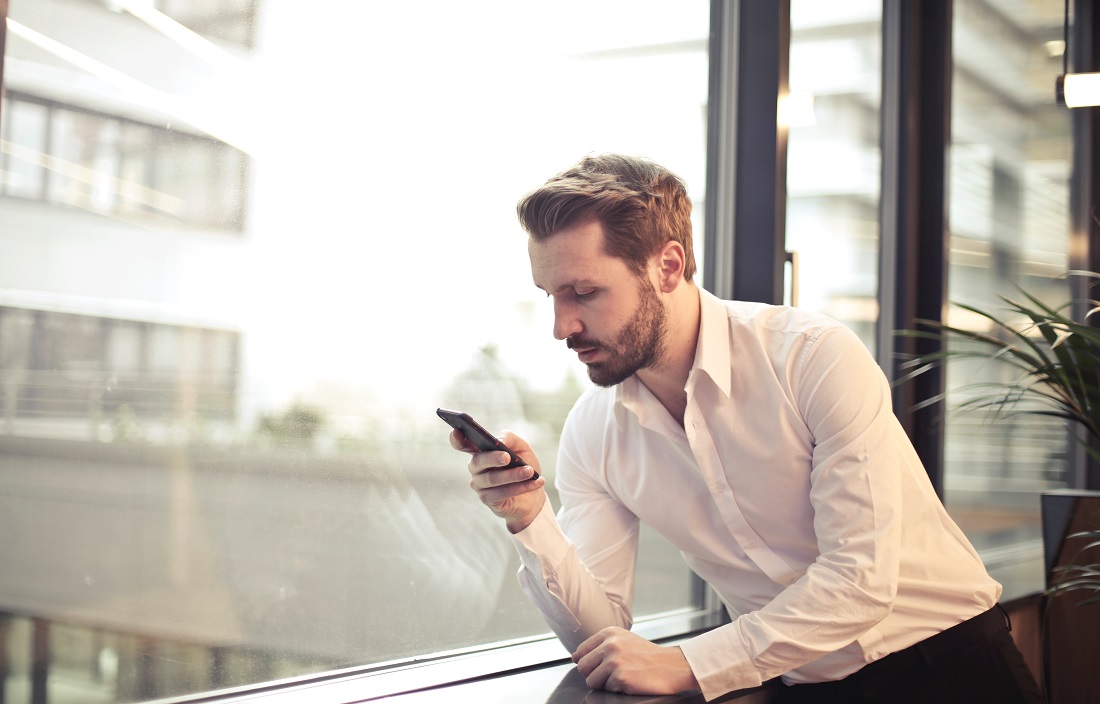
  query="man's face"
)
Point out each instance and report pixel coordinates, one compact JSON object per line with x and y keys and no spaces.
{"x":611,"y":317}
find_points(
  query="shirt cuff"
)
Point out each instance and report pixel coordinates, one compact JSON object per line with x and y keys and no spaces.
{"x":720,"y":662}
{"x":542,"y":545}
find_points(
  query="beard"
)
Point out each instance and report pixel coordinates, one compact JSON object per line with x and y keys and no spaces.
{"x":640,"y":344}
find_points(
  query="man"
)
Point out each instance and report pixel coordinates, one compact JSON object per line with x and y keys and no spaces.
{"x":760,"y":441}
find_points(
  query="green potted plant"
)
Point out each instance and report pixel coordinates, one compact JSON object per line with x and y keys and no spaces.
{"x":1054,"y":355}
{"x":1054,"y":364}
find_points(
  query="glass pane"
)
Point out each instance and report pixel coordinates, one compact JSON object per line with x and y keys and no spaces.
{"x":228,"y":20}
{"x":1008,"y":213}
{"x":221,"y":454}
{"x":833,"y":159}
{"x":197,"y":180}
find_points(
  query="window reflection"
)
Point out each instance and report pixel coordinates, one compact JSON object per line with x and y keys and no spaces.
{"x":219,"y":458}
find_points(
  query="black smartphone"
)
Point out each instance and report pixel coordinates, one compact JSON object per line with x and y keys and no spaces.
{"x":478,"y":436}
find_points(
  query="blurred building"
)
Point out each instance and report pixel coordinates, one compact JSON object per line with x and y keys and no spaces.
{"x":121,"y":225}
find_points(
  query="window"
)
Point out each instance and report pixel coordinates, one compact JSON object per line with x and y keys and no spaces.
{"x":93,"y":378}
{"x":221,"y":454}
{"x":25,"y":130}
{"x":833,"y":159}
{"x":219,"y":459}
{"x":114,"y":166}
{"x":1009,"y":164}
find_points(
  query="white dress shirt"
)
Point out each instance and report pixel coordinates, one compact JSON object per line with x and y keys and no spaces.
{"x":791,"y":489}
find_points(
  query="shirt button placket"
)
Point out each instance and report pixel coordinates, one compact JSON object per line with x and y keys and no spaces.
{"x":702,"y":448}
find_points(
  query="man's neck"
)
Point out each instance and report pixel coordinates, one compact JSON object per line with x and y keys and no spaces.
{"x":667,"y":379}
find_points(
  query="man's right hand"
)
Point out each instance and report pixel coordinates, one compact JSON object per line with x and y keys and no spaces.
{"x":509,"y":493}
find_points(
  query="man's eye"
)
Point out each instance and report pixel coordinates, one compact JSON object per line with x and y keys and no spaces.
{"x":585,"y":293}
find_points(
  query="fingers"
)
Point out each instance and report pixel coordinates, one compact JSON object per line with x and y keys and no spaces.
{"x":603,"y":677}
{"x":481,"y":461}
{"x":459,"y":442}
{"x":495,"y":487}
{"x":590,"y":653}
{"x":590,"y":644}
{"x":494,"y":476}
{"x":617,"y":660}
{"x":515,"y":442}
{"x":593,"y":664}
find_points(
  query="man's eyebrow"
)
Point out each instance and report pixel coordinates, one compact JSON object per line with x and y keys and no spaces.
{"x":579,"y":283}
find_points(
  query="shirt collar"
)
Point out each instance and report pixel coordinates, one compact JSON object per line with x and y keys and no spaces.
{"x":712,"y":358}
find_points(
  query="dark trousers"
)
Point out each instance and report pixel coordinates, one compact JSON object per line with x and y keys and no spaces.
{"x":974,"y":661}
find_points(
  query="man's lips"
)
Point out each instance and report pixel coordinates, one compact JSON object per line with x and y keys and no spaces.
{"x":586,"y":351}
{"x":587,"y":354}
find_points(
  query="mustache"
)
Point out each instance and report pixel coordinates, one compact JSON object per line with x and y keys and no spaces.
{"x":582,"y":342}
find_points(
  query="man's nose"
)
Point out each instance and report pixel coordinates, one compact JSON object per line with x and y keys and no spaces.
{"x":566,"y":322}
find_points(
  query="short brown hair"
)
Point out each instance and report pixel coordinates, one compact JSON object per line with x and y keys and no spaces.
{"x":641,"y":205}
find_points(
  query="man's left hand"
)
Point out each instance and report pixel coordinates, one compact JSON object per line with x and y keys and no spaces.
{"x":620,"y":661}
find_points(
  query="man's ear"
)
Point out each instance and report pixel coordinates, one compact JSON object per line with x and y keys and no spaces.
{"x":671,"y":262}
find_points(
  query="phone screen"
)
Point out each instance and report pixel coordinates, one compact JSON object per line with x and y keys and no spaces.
{"x":478,"y":436}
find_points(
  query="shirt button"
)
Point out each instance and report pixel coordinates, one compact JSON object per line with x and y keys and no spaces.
{"x":719,"y":488}
{"x":750,"y":544}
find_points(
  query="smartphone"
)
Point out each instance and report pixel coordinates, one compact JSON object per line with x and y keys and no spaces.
{"x":478,"y":436}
